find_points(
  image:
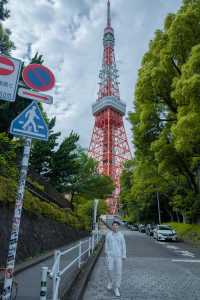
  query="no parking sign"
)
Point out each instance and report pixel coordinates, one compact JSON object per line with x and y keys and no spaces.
{"x":38,"y":77}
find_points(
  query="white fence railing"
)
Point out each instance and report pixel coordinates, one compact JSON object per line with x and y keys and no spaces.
{"x":56,"y":273}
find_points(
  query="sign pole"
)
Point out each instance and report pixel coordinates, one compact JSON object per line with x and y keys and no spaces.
{"x":16,"y":222}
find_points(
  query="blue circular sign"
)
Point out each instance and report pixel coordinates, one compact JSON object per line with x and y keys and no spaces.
{"x":38,"y":77}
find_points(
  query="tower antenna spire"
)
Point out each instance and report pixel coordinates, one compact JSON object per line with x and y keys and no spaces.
{"x":108,"y":14}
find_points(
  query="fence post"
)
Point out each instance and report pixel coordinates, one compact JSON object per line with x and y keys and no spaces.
{"x":56,"y":271}
{"x":97,"y":235}
{"x":55,"y":293}
{"x":89,"y":251}
{"x":43,"y":290}
{"x":79,"y":254}
{"x":92,"y":242}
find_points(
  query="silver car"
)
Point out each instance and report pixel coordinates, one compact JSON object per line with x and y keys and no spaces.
{"x":164,"y":233}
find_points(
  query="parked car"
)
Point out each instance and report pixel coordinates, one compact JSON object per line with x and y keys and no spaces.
{"x":149,"y":229}
{"x":142,"y":228}
{"x":134,"y":227}
{"x":164,"y":233}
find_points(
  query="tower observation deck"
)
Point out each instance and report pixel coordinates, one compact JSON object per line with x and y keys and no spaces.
{"x":109,"y":144}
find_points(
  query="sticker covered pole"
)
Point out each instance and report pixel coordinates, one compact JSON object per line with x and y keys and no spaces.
{"x":7,"y":291}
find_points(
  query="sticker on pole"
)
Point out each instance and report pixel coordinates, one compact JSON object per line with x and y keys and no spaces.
{"x":30,"y":123}
{"x":38,"y":77}
{"x":9,"y":77}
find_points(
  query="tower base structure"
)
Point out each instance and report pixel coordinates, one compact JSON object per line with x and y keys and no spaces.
{"x":109,"y":144}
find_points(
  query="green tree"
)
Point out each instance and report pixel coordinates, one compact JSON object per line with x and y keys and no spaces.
{"x":126,"y":180}
{"x":4,"y":12}
{"x":88,"y":182}
{"x":64,"y":163}
{"x":7,"y":156}
{"x":42,"y":152}
{"x":166,"y":118}
{"x":84,"y":211}
{"x":6,"y":45}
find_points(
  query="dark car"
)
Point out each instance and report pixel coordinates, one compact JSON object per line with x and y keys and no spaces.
{"x":142,"y":228}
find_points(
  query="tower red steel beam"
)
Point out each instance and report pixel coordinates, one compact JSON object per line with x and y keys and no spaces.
{"x":109,"y":144}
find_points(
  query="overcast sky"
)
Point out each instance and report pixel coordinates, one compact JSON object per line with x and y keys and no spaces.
{"x":69,"y":35}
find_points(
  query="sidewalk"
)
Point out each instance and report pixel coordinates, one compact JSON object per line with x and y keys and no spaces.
{"x":29,"y":280}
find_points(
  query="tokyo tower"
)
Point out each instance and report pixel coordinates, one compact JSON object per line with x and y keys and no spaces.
{"x":109,"y":144}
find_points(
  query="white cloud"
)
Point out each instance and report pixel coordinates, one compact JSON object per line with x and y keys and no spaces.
{"x":69,"y":35}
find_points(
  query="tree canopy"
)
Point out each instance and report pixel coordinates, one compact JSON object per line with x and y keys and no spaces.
{"x":166,"y":122}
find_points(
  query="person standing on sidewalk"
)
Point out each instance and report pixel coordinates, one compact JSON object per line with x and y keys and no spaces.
{"x":115,"y":249}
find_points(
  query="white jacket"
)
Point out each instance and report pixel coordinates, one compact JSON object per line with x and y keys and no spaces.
{"x":115,"y":245}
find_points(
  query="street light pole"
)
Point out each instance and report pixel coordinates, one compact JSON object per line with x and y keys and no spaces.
{"x":198,"y":177}
{"x":96,"y":202}
{"x":158,"y":203}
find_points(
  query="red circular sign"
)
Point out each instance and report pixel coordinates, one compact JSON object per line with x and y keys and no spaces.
{"x":7,"y":67}
{"x":38,"y":77}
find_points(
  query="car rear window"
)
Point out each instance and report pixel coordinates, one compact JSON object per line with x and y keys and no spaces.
{"x":164,"y":228}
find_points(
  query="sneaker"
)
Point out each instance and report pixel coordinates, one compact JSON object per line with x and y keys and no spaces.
{"x":109,"y":286}
{"x":116,"y":292}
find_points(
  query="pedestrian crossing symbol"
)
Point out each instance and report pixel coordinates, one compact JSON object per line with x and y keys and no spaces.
{"x":30,"y":123}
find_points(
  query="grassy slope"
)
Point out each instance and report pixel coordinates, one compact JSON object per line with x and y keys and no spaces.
{"x":188,"y":232}
{"x":34,"y":205}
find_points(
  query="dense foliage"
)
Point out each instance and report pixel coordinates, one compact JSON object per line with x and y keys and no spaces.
{"x":62,"y":164}
{"x":166,"y":124}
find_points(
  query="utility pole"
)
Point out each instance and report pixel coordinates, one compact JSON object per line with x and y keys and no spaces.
{"x":158,"y":203}
{"x":96,"y":202}
{"x":198,"y":177}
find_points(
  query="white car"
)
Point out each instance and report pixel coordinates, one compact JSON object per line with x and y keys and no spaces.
{"x":164,"y":232}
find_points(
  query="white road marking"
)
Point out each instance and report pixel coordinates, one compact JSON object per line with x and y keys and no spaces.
{"x":172,"y":247}
{"x":186,"y":260}
{"x":177,"y":249}
{"x":185,"y":253}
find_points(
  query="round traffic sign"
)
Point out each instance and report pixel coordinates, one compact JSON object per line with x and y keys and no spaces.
{"x":7,"y":67}
{"x":38,"y":77}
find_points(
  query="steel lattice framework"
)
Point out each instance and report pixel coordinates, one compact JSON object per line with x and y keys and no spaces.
{"x":109,"y":144}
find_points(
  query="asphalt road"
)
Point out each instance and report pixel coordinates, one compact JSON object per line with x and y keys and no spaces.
{"x":153,"y":270}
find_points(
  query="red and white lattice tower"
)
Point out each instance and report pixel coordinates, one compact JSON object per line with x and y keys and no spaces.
{"x":109,"y":144}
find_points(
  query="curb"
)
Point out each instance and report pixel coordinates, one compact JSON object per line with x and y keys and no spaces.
{"x":32,"y":262}
{"x":77,"y":288}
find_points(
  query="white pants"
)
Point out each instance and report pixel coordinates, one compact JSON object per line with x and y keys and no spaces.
{"x":115,"y":270}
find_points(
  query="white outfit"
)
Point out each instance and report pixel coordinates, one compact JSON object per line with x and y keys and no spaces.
{"x":115,"y":249}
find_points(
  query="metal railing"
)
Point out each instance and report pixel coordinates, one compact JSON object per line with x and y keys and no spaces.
{"x":56,"y":273}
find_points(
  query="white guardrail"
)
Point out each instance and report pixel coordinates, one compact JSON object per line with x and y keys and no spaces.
{"x":55,"y":273}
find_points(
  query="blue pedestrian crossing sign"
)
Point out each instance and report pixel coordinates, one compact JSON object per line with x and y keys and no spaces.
{"x":30,"y":123}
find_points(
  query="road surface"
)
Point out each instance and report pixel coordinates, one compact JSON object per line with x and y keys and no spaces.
{"x":152,"y":271}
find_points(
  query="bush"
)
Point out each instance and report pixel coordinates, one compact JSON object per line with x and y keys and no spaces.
{"x":187,"y":232}
{"x":35,"y":206}
{"x":7,"y":190}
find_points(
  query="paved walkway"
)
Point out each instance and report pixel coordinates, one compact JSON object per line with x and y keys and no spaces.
{"x":150,"y":272}
{"x":29,"y":279}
